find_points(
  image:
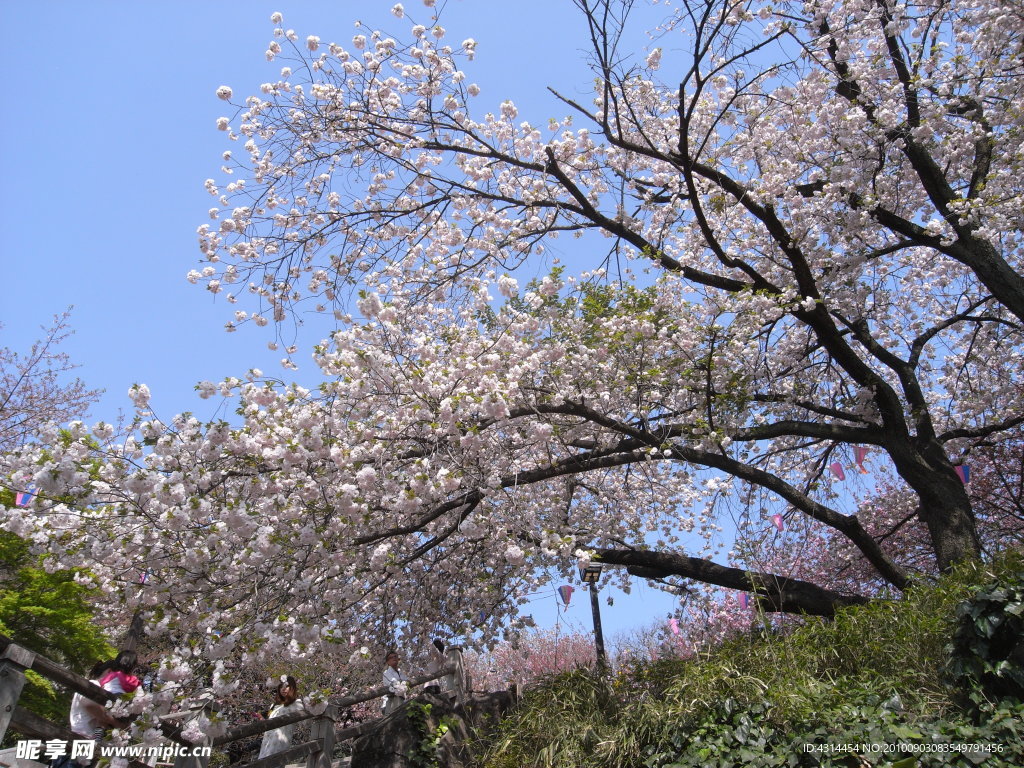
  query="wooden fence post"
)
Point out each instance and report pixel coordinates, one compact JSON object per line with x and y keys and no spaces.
{"x":13,"y":663}
{"x":459,"y":679}
{"x":322,"y":731}
{"x":134,"y":633}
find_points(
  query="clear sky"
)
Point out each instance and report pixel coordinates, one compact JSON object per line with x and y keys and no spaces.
{"x":107,"y":137}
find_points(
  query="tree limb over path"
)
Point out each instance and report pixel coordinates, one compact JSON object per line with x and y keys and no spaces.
{"x":774,"y":593}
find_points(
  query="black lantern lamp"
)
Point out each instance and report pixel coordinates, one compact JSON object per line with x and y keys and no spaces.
{"x":590,"y":575}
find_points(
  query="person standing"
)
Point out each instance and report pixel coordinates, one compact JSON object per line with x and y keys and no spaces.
{"x":286,"y":702}
{"x":89,"y":719}
{"x":438,"y":662}
{"x":118,"y":675}
{"x":396,"y":681}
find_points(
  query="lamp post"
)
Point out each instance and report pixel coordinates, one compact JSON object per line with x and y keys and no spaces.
{"x":589,"y":576}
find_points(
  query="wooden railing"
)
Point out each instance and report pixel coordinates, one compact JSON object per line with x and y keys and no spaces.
{"x":14,"y":662}
{"x":316,"y":752}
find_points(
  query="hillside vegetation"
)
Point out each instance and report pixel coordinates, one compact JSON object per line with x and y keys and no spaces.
{"x":933,"y":679}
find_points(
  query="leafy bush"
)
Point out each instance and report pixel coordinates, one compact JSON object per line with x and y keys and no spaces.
{"x":862,"y":731}
{"x":987,"y":652}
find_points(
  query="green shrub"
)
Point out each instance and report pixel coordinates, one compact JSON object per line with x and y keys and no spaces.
{"x":987,"y":652}
{"x":862,"y":731}
{"x":557,"y":723}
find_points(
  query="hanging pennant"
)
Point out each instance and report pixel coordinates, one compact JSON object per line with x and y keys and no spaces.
{"x":565,"y":592}
{"x":744,"y":600}
{"x":860,"y":453}
{"x":837,"y":470}
{"x":22,"y":498}
{"x":143,"y":576}
{"x":777,"y":519}
{"x":964,"y":473}
{"x":673,"y":624}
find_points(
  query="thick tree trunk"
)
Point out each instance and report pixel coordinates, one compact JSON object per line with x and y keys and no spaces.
{"x":945,"y":508}
{"x":774,"y":593}
{"x":946,"y":511}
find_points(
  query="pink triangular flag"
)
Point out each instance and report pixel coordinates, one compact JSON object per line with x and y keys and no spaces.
{"x":837,"y":470}
{"x":860,"y":453}
{"x":744,"y":600}
{"x":777,"y":519}
{"x":565,"y":592}
{"x":673,"y":624}
{"x":964,"y":473}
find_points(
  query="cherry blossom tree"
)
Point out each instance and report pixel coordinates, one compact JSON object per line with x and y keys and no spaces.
{"x":997,"y":489}
{"x":798,"y":238}
{"x":535,"y":655}
{"x":35,"y":388}
{"x":891,"y":517}
{"x":839,"y":174}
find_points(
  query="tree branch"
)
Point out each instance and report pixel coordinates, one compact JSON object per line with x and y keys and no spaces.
{"x":774,"y":593}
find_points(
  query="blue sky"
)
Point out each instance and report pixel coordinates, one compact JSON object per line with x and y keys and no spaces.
{"x":109,"y":135}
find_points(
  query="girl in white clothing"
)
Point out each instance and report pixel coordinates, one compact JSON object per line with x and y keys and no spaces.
{"x":397,"y":683}
{"x":286,"y":701}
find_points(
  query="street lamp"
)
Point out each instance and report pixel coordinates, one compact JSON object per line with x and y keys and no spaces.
{"x":589,"y":576}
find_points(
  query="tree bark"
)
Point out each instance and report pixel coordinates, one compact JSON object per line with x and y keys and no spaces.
{"x":774,"y":593}
{"x":947,"y":513}
{"x":945,"y":508}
